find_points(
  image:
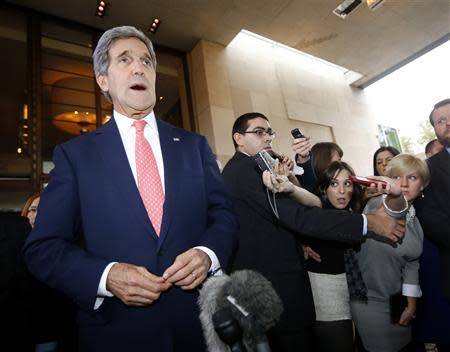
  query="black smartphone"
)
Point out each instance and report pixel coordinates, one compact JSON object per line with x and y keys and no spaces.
{"x":296,"y":133}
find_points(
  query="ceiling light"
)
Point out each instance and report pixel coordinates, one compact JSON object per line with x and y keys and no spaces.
{"x":101,"y":9}
{"x":154,"y":26}
{"x":346,"y":7}
{"x":374,"y":4}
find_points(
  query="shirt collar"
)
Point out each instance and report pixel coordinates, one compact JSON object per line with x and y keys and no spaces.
{"x":124,"y":123}
{"x":448,"y":150}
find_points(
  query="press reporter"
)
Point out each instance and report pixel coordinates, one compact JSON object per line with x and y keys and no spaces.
{"x":391,"y":273}
{"x":268,"y":241}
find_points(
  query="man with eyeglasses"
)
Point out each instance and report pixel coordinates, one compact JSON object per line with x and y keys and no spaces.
{"x":271,"y":245}
{"x":433,"y":210}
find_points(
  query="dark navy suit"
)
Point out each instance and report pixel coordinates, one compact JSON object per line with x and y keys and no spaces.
{"x":92,"y":186}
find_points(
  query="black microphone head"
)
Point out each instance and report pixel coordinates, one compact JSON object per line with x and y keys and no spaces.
{"x":251,"y":299}
{"x":228,"y":329}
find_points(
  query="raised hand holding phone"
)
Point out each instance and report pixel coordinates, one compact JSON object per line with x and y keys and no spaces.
{"x":296,"y":133}
{"x":301,"y":145}
{"x":380,"y":183}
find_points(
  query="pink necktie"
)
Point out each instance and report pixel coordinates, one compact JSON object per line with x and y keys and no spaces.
{"x":149,"y":181}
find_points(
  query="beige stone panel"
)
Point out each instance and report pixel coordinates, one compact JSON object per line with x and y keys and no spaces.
{"x":287,"y":84}
{"x":298,"y":110}
{"x":308,"y":95}
{"x":260,"y":103}
{"x":241,"y":101}
{"x":277,"y":104}
{"x":197,"y":77}
{"x":205,"y":125}
{"x":251,"y":70}
{"x":223,"y":120}
{"x":217,"y":75}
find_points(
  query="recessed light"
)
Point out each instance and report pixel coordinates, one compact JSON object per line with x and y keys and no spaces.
{"x":155,"y":25}
{"x":101,"y":9}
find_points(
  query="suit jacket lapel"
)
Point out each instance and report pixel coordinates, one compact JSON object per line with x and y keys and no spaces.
{"x":112,"y":151}
{"x":171,"y":144}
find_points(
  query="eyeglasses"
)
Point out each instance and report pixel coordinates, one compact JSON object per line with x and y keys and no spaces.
{"x":442,"y":121}
{"x":260,"y":132}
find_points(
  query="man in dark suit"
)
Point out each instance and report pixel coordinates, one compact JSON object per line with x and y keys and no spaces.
{"x":154,"y":212}
{"x":270,"y":245}
{"x":434,"y":209}
{"x":13,"y":231}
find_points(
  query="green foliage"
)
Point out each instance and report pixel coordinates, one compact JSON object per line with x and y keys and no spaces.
{"x":426,"y":132}
{"x":407,"y":144}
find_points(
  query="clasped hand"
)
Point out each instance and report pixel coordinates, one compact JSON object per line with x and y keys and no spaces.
{"x":136,"y":286}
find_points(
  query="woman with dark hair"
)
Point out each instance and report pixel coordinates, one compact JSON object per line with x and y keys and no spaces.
{"x":381,"y":158}
{"x":323,"y":154}
{"x":333,"y":329}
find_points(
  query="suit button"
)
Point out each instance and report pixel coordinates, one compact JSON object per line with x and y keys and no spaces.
{"x":161,"y":252}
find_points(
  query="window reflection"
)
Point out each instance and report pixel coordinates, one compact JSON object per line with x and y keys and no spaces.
{"x":15,"y":132}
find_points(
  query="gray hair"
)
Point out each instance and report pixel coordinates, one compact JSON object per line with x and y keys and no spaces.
{"x":101,"y":53}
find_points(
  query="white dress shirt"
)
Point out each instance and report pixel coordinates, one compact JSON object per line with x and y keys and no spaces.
{"x":128,"y":135}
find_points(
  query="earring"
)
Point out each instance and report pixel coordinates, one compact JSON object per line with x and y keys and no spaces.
{"x":422,"y":195}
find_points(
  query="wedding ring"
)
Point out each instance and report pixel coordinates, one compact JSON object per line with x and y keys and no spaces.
{"x":194,"y":275}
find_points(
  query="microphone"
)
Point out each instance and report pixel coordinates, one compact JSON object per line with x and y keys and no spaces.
{"x":244,"y":301}
{"x":228,"y":329}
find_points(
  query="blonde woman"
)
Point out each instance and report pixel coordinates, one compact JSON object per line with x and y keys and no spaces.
{"x":392,"y":271}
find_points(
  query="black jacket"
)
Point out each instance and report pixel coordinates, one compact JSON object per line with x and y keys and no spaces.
{"x":270,"y":245}
{"x":434,"y":212}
